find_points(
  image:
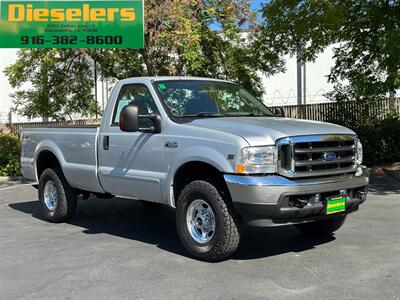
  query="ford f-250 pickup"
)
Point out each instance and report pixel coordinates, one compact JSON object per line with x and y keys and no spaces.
{"x":209,"y":149}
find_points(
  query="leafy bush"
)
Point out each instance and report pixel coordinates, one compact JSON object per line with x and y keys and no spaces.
{"x":378,"y":131}
{"x":380,"y":138}
{"x":9,"y":155}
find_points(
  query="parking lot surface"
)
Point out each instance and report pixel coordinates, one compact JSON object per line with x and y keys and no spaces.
{"x":119,"y":249}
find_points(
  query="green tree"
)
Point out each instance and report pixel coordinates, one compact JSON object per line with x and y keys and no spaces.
{"x":52,"y":83}
{"x":366,"y":35}
{"x":179,"y":40}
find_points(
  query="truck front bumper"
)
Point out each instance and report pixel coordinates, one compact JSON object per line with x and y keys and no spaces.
{"x":276,"y":200}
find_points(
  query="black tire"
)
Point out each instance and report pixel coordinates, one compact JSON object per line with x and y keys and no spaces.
{"x":67,"y":197}
{"x":225,"y":240}
{"x":321,"y":228}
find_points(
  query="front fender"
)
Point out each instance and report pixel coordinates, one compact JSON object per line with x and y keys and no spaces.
{"x":195,"y":154}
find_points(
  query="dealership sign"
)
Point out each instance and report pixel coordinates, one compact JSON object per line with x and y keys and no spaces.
{"x":71,"y":24}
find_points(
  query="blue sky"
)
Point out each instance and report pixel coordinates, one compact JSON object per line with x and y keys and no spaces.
{"x":256,"y":4}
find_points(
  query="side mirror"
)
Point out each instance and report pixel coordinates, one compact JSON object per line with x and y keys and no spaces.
{"x":129,"y":119}
{"x":156,"y":119}
{"x":279,"y":112}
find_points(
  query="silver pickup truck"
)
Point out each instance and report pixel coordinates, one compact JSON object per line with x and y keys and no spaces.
{"x":209,"y":149}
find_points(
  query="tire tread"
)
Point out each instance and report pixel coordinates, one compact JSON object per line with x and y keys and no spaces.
{"x":227,"y":245}
{"x":67,"y":202}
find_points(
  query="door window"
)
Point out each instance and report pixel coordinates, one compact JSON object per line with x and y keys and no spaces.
{"x":139,"y":95}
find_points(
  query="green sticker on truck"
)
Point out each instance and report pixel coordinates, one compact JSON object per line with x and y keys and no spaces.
{"x":71,"y":24}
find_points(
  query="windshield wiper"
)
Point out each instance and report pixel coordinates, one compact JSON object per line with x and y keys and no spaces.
{"x":244,"y":114}
{"x":202,"y":115}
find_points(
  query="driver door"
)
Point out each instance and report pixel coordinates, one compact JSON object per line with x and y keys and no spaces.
{"x":129,"y":162}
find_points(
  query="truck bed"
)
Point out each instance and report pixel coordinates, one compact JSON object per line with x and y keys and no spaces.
{"x":76,"y":149}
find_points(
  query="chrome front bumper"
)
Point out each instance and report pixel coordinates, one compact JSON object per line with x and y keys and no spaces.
{"x":271,"y":197}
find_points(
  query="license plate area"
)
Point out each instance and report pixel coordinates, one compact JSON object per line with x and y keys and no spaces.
{"x":335,"y":204}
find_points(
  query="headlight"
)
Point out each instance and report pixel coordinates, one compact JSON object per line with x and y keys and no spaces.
{"x":254,"y":160}
{"x":359,"y":153}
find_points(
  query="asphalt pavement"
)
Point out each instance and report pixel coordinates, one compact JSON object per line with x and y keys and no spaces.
{"x":119,"y":249}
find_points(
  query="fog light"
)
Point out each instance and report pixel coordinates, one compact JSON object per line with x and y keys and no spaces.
{"x":298,"y":202}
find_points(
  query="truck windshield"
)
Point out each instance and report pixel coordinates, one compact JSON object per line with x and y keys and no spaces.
{"x":202,"y":98}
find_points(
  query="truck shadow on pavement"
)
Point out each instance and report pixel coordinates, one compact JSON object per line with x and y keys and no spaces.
{"x":131,"y":220}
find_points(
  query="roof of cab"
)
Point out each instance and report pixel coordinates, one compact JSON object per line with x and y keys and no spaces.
{"x":166,"y":78}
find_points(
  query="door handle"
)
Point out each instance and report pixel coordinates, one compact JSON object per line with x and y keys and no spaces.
{"x":106,"y":142}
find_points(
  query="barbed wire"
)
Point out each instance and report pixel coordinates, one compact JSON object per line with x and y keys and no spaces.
{"x":4,"y":116}
{"x":279,"y":99}
{"x":15,"y":118}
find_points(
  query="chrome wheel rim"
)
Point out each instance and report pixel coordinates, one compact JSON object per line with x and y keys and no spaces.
{"x":50,"y":195}
{"x":200,"y":221}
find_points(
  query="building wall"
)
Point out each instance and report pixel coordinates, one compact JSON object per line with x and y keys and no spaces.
{"x":281,"y":89}
{"x":7,"y":56}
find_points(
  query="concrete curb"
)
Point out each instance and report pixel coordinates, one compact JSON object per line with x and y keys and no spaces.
{"x":393,"y":174}
{"x":14,"y":179}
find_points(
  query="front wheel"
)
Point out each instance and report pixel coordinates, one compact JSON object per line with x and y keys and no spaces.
{"x":206,"y":223}
{"x":57,"y":197}
{"x":321,"y":228}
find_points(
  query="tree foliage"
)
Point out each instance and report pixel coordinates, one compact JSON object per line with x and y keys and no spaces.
{"x":180,"y":39}
{"x":52,"y":83}
{"x":366,"y":35}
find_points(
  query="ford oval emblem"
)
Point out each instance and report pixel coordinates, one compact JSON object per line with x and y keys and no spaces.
{"x":329,"y":156}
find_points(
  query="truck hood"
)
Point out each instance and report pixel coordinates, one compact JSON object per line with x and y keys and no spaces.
{"x":267,"y":130}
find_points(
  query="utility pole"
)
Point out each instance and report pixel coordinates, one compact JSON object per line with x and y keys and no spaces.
{"x":10,"y":117}
{"x":299,"y":82}
{"x":106,"y":91}
{"x":304,"y":83}
{"x":95,"y":84}
{"x":102,"y":94}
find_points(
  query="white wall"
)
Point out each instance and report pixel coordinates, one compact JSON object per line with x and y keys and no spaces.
{"x":281,"y":89}
{"x":7,"y":56}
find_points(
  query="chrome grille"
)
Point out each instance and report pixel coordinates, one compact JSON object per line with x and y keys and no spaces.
{"x":307,"y":156}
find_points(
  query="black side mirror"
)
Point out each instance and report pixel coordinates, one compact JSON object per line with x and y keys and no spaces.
{"x":129,"y":118}
{"x":279,"y":112}
{"x":156,"y":119}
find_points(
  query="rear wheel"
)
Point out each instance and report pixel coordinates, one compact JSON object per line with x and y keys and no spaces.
{"x":206,"y":223}
{"x":58,"y":199}
{"x":321,"y":228}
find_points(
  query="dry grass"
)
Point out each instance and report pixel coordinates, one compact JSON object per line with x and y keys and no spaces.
{"x":4,"y":129}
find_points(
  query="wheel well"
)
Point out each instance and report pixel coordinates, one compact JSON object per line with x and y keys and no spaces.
{"x":197,"y":170}
{"x":46,"y":159}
